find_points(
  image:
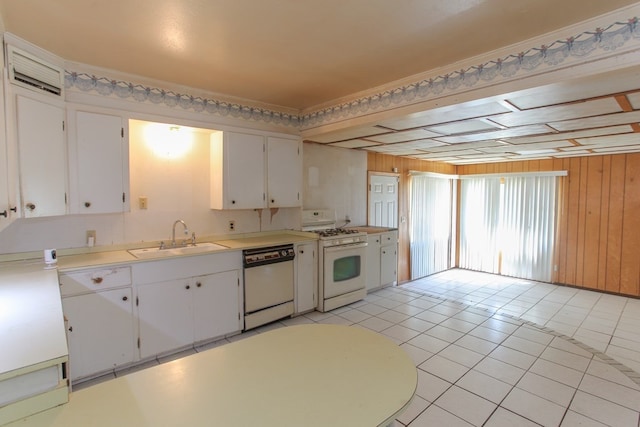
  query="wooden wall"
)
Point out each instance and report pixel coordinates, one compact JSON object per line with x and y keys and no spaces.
{"x":598,"y":234}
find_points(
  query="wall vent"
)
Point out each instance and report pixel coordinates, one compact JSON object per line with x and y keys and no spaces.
{"x":29,"y":71}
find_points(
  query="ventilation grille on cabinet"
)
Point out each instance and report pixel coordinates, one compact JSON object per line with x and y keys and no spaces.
{"x":33,"y":73}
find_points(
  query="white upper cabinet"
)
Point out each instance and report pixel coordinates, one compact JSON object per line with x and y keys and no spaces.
{"x":42,"y":155}
{"x":7,"y":206}
{"x":98,"y":162}
{"x":237,"y":171}
{"x":251,"y":171}
{"x":284,"y":172}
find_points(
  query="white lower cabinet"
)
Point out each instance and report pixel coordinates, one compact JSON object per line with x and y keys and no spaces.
{"x":186,"y":300}
{"x":100,"y":331}
{"x":382,"y":259}
{"x":306,"y":277}
{"x":98,"y":307}
{"x":178,"y":313}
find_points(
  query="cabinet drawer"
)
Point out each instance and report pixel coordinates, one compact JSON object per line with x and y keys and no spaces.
{"x":388,"y":237}
{"x":84,"y":281}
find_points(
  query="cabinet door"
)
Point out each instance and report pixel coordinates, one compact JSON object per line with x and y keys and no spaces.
{"x":244,"y":171}
{"x":6,"y":216}
{"x":388,"y":264}
{"x":306,"y":277}
{"x":42,"y":157}
{"x":217,"y":305}
{"x":99,"y":164}
{"x":100,"y":331}
{"x":284,"y":172}
{"x":165,"y":316}
{"x":373,"y":261}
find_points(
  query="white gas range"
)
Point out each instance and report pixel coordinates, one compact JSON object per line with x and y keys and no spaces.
{"x":341,"y":260}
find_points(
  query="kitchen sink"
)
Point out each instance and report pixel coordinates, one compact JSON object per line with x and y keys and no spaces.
{"x":198,"y":248}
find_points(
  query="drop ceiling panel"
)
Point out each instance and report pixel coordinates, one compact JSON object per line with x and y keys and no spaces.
{"x":345,"y":134}
{"x":355,"y":143}
{"x":445,"y":114}
{"x":422,"y":144}
{"x":611,"y":141}
{"x":575,"y":90}
{"x":559,"y":112}
{"x":464,"y":126}
{"x":611,"y":130}
{"x":634,"y":99}
{"x":404,"y":136}
{"x":597,"y":122}
{"x":499,"y":134}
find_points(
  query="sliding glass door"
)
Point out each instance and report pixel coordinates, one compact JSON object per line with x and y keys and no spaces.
{"x":507,"y":225}
{"x":430,"y":229}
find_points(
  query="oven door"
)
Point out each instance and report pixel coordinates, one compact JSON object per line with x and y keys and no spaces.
{"x":344,"y":269}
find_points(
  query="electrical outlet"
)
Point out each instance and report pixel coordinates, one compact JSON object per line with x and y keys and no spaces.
{"x":143,"y":202}
{"x":91,"y":238}
{"x":232,"y":225}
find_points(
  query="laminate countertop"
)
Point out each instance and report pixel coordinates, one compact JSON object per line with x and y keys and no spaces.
{"x":305,"y":375}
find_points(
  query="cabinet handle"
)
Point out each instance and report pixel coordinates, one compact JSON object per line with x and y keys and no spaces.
{"x":125,"y":298}
{"x":30,"y":206}
{"x":96,"y":280}
{"x":187,"y":287}
{"x":198,"y":284}
{"x":87,"y":204}
{"x":4,"y":213}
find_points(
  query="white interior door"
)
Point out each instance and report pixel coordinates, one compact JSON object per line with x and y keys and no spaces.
{"x":383,"y":200}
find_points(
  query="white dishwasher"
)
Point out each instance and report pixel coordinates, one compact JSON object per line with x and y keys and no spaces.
{"x":268,"y":284}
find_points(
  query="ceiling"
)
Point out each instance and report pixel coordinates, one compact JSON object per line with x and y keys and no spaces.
{"x":303,"y":54}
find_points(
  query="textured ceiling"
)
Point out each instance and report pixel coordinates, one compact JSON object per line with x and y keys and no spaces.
{"x":288,"y":53}
{"x":302,"y":55}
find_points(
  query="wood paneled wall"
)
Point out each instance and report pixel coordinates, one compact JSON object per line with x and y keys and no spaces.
{"x":598,"y":233}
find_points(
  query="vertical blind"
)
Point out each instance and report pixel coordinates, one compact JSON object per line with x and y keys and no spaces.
{"x":430,"y":224}
{"x":507,"y":225}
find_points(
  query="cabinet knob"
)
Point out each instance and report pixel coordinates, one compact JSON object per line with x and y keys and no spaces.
{"x":233,"y":202}
{"x":4,"y":213}
{"x":273,"y":201}
{"x":14,"y":209}
{"x":70,"y":328}
{"x":187,"y":287}
{"x":30,"y":206}
{"x":96,"y":280}
{"x":125,"y":298}
{"x":301,"y":251}
{"x":87,"y":204}
{"x":198,"y":284}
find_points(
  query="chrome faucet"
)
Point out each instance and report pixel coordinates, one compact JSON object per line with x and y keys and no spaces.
{"x":173,"y":234}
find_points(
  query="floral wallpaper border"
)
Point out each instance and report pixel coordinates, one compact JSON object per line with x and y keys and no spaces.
{"x":602,"y":40}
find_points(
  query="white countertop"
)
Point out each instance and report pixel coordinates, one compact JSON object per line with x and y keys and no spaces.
{"x":306,"y":375}
{"x":31,"y":320}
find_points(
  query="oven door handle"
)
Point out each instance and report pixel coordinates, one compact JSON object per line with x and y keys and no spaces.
{"x":343,"y":247}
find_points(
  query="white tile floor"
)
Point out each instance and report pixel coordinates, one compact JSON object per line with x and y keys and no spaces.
{"x":496,"y":352}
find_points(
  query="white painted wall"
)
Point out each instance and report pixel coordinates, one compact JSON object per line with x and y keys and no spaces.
{"x":336,"y":178}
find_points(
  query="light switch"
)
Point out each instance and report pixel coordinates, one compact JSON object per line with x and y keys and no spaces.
{"x":142,"y":202}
